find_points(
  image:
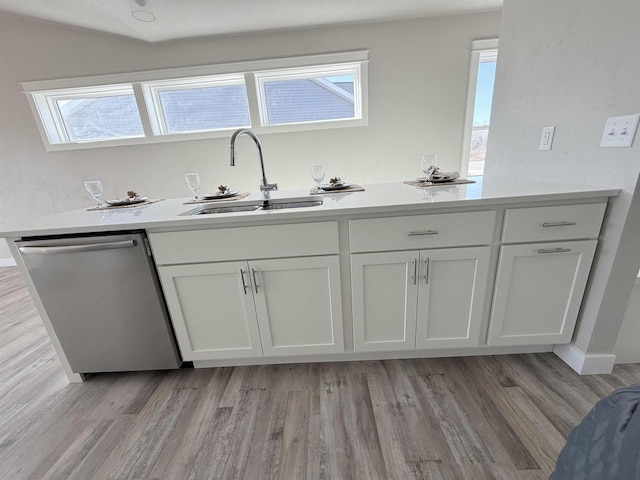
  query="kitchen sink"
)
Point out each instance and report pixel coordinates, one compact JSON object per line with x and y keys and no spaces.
{"x":210,"y":210}
{"x":275,"y":204}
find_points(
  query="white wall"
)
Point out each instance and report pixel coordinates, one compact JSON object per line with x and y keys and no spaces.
{"x":627,"y":348}
{"x":573,"y":63}
{"x":418,"y":82}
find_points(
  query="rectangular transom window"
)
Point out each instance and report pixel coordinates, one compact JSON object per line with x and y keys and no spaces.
{"x":198,"y":105}
{"x":192,"y":103}
{"x":90,"y":114}
{"x":312,"y":94}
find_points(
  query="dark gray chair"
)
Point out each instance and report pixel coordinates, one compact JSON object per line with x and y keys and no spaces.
{"x":606,"y":444}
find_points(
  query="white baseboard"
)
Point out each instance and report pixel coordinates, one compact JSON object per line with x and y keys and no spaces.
{"x":359,"y":356}
{"x":585,"y":363}
{"x":7,"y":262}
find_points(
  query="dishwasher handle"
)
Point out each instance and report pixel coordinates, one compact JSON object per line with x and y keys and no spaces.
{"x":87,"y":247}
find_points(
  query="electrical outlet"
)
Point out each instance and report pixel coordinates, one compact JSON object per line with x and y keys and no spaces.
{"x":547,"y":137}
{"x":620,"y":131}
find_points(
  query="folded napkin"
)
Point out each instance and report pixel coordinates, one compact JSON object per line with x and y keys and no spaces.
{"x":349,"y":189}
{"x":135,"y":205}
{"x":439,"y":176}
{"x":457,"y":181}
{"x":221,"y":199}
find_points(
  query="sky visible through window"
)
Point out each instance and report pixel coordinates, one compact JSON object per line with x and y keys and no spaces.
{"x":484,"y":93}
{"x":340,"y":78}
{"x":481,"y":116}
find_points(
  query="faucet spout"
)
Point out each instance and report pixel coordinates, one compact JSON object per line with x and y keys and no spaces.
{"x":265,"y":186}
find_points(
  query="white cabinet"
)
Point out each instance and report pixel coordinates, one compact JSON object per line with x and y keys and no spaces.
{"x":539,"y":286}
{"x":417,"y":232}
{"x":451,"y":297}
{"x":419,"y":299}
{"x":247,"y":309}
{"x":211,"y":314}
{"x":554,"y":223}
{"x":538,"y":292}
{"x":418,"y":282}
{"x":385,"y":300}
{"x":299,"y":307}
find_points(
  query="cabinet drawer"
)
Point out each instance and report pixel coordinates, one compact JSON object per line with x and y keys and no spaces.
{"x":422,"y":231}
{"x":562,"y":222}
{"x":243,"y":243}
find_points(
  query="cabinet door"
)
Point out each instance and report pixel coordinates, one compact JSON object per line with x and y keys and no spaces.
{"x":538,"y":292}
{"x":385,"y":292}
{"x":299,"y":307}
{"x":212,"y":315}
{"x":451,"y":296}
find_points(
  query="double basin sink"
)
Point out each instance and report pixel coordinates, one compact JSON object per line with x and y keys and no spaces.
{"x":254,"y":206}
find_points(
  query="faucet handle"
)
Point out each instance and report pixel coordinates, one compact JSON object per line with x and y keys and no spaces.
{"x":269,"y":187}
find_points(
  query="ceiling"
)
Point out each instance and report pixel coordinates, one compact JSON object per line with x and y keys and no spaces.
{"x":176,"y":19}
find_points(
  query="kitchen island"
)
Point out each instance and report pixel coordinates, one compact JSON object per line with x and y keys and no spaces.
{"x":392,"y":272}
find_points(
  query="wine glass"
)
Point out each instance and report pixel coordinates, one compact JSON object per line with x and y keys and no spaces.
{"x":94,"y":187}
{"x":429,"y":164}
{"x":193,"y":182}
{"x":317,"y":173}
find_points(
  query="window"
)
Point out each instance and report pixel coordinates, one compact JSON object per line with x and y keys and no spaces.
{"x":309,"y":95}
{"x":481,"y":81}
{"x":197,"y":105}
{"x":90,"y":115}
{"x":301,"y":93}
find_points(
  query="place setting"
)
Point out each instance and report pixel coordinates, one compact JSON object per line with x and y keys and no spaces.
{"x":433,"y":177}
{"x":133,"y":198}
{"x":223,"y":192}
{"x":335,"y":184}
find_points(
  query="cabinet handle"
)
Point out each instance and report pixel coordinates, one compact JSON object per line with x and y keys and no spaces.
{"x":427,"y":264}
{"x":255,"y":280}
{"x":244,"y":285}
{"x":414,"y":277}
{"x":417,"y":233}
{"x":554,"y":250}
{"x":85,"y":247}
{"x":558,"y":224}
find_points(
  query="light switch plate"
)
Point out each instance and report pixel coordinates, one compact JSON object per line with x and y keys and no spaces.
{"x":547,"y":137}
{"x":620,"y":131}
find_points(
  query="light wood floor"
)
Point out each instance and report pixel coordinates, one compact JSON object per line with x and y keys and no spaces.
{"x":477,"y":418}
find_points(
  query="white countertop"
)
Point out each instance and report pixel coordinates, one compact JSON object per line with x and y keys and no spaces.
{"x":378,"y":198}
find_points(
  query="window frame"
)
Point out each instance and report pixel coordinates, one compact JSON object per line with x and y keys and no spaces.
{"x":49,"y":112}
{"x":157,"y":118}
{"x":310,"y":73}
{"x":143,"y":83}
{"x":479,"y":49}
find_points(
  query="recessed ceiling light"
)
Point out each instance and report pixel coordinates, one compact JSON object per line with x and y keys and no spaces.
{"x":142,"y":10}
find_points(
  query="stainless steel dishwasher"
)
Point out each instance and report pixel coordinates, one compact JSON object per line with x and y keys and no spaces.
{"x":103,"y":298}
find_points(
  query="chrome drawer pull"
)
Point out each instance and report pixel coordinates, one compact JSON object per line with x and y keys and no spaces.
{"x":558,"y":224}
{"x":414,"y":277}
{"x":427,"y":264}
{"x":554,"y":250}
{"x":255,"y":281}
{"x":422,"y":232}
{"x":244,"y":285}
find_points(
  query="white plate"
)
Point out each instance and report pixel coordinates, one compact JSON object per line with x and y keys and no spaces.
{"x":125,"y":201}
{"x":328,"y":187}
{"x":229,"y":193}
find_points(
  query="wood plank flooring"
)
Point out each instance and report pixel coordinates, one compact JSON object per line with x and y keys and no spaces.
{"x":500,"y":417}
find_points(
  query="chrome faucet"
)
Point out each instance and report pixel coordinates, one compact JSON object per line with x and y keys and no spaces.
{"x":265,"y":187}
